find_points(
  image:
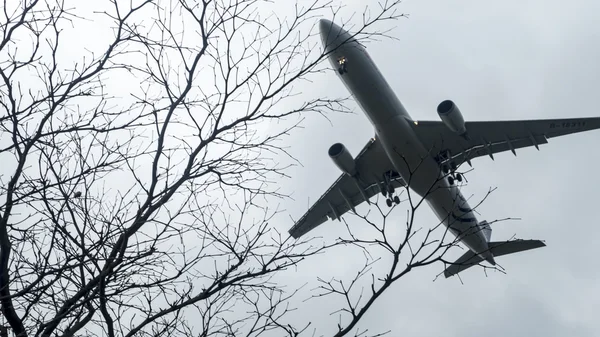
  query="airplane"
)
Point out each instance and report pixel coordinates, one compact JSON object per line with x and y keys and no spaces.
{"x":423,"y":155}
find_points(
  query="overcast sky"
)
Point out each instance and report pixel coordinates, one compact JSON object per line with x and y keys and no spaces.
{"x":496,"y":61}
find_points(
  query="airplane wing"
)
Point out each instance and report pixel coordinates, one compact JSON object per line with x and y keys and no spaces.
{"x":489,"y":138}
{"x":348,"y":192}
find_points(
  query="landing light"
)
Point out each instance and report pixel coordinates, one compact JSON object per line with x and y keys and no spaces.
{"x":416,"y":122}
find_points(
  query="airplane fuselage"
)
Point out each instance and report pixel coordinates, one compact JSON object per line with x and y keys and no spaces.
{"x":415,"y":163}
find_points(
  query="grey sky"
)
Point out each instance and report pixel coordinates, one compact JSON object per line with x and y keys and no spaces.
{"x":496,"y":60}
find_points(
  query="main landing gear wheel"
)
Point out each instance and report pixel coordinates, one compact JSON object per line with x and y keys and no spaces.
{"x":457,"y":176}
{"x":450,"y":170}
{"x":390,"y":201}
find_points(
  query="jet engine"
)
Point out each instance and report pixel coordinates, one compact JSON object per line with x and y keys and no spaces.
{"x":451,"y":116}
{"x":342,"y":158}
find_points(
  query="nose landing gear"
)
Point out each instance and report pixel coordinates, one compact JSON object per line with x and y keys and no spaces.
{"x":342,"y":68}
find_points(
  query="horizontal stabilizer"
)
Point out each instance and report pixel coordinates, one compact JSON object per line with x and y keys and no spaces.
{"x":509,"y":247}
{"x":470,"y":259}
{"x":466,"y":261}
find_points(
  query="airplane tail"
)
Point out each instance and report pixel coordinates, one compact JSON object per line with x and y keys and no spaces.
{"x":497,"y":248}
{"x":486,"y":229}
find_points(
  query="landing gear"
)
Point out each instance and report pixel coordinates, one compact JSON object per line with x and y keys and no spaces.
{"x":390,"y":201}
{"x":454,"y":176}
{"x":450,"y":171}
{"x":343,"y":67}
{"x":449,"y":167}
{"x":388,"y":189}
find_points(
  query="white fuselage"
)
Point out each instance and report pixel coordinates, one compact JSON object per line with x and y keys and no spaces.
{"x":412,"y":160}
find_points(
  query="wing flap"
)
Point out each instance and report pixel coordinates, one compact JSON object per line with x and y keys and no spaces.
{"x":493,"y":148}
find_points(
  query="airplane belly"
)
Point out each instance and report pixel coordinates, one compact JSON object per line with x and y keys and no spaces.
{"x":409,"y":156}
{"x":455,"y":213}
{"x":423,"y":174}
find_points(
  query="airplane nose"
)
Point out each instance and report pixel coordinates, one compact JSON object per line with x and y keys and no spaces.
{"x":324,"y":25}
{"x":331,"y":33}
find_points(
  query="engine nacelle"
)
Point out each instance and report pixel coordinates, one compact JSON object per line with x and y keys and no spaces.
{"x":451,"y":116}
{"x":342,"y":158}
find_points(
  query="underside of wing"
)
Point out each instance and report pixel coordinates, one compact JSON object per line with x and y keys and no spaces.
{"x":374,"y":174}
{"x":483,"y":138}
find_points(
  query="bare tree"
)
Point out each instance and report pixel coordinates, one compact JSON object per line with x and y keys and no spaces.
{"x":135,"y":168}
{"x":138,"y":149}
{"x":392,"y":245}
